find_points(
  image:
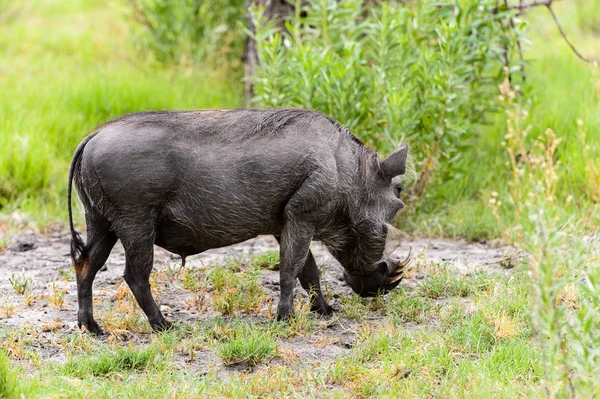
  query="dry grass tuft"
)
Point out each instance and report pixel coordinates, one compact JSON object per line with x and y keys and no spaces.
{"x":569,"y":296}
{"x":124,"y":317}
{"x":7,"y":307}
{"x":199,"y":301}
{"x":56,"y":295}
{"x":53,"y":325}
{"x":288,"y":355}
{"x":505,"y":327}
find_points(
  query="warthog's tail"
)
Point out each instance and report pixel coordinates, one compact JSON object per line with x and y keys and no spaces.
{"x":78,"y":249}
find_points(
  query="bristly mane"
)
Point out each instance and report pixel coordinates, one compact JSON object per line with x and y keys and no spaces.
{"x":274,"y":119}
{"x":268,"y":120}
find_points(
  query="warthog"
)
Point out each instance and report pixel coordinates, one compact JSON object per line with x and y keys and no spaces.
{"x":189,"y":181}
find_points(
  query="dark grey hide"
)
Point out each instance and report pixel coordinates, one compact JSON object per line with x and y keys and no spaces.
{"x":189,"y":181}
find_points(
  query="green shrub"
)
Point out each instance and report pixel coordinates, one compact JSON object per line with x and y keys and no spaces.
{"x":424,"y":73}
{"x":188,"y":31}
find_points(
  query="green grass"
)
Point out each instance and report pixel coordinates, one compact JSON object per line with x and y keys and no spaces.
{"x":404,"y":308}
{"x":9,"y":381}
{"x":193,"y":279}
{"x":235,"y":289}
{"x":238,"y":342}
{"x":442,"y":281}
{"x":475,"y":342}
{"x":67,"y":66}
{"x":355,"y":307}
{"x":247,"y":344}
{"x":268,"y":260}
{"x":110,"y":362}
{"x":20,"y":282}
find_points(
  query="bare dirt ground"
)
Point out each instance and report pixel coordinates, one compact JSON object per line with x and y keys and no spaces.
{"x":45,"y":259}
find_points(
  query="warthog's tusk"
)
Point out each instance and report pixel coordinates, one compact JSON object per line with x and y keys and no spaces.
{"x":399,"y":271}
{"x":400,"y":266}
{"x":396,"y":278}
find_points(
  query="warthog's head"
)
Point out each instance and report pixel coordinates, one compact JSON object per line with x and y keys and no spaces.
{"x":367,"y":248}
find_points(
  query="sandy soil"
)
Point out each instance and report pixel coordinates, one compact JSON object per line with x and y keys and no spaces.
{"x":45,"y":258}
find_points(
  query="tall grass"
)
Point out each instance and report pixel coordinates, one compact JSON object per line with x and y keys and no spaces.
{"x":563,"y":261}
{"x":189,"y":31}
{"x":11,"y":386}
{"x":61,"y":79}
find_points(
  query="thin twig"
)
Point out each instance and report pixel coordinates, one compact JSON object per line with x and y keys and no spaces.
{"x":504,"y":46}
{"x":140,"y":16}
{"x":512,"y":26}
{"x":524,"y":6}
{"x":564,"y":35}
{"x":521,"y":52}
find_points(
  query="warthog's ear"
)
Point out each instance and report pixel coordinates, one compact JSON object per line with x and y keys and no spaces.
{"x":395,"y":164}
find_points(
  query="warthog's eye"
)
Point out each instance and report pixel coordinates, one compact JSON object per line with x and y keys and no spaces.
{"x":398,"y":189}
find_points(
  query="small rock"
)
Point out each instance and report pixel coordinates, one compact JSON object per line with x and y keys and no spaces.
{"x":345,"y":344}
{"x":23,"y":243}
{"x":165,"y":309}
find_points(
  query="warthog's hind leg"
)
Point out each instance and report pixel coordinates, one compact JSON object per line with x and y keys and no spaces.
{"x":138,"y":242}
{"x":100,"y":241}
{"x":310,"y":279}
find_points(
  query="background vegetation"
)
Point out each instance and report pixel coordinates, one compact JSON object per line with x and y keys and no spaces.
{"x":428,"y":75}
{"x":515,"y":160}
{"x":67,"y":66}
{"x":424,"y":74}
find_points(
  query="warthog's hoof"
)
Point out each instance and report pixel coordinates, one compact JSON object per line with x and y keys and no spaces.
{"x":92,"y":327}
{"x":323,"y":309}
{"x":284,"y":312}
{"x":162,"y":326}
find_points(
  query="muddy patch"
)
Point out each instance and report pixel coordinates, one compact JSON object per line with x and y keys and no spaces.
{"x":47,"y":311}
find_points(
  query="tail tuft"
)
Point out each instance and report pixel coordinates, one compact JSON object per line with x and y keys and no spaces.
{"x":78,"y":250}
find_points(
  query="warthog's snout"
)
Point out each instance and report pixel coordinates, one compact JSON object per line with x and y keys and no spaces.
{"x":386,"y":277}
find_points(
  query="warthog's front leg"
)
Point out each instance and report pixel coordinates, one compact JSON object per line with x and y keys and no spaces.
{"x":310,"y":279}
{"x":293,"y":253}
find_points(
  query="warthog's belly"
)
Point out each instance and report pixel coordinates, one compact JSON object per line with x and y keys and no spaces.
{"x":195,"y":237}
